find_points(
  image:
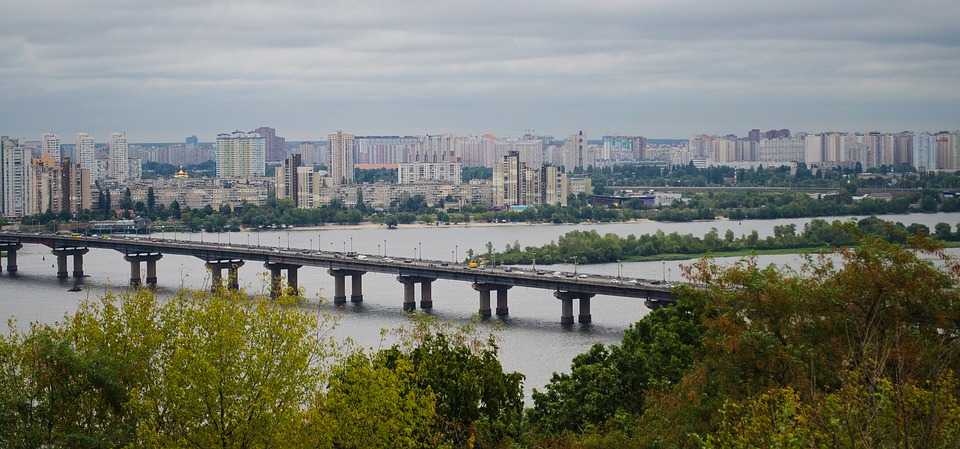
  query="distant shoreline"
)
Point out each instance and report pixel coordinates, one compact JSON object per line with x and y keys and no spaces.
{"x":368,"y":225}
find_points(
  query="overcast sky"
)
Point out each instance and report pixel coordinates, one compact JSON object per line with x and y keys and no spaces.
{"x":164,"y":70}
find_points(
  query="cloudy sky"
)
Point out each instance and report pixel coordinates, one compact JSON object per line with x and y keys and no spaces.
{"x":163,"y":70}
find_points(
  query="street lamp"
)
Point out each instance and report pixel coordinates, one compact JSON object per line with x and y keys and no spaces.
{"x":288,"y":239}
{"x":311,"y":244}
{"x":378,"y":250}
{"x":384,"y":247}
{"x":420,"y":245}
{"x":456,"y":253}
{"x":278,"y":242}
{"x":619,"y":268}
{"x":574,"y":265}
{"x":351,"y":244}
{"x":453,"y":258}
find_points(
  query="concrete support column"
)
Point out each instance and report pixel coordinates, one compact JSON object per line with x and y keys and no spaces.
{"x":292,"y":280}
{"x":78,"y":265}
{"x":566,"y":310}
{"x":502,"y":309}
{"x":426,"y":294}
{"x":356,"y":288}
{"x":339,"y":289}
{"x":134,"y":272}
{"x":62,"y":265}
{"x":409,"y":302}
{"x":216,"y":273}
{"x":12,"y":260}
{"x":484,"y":302}
{"x":11,"y":248}
{"x":584,"y":316}
{"x":233,"y":275}
{"x":275,"y":274}
{"x":151,"y":272}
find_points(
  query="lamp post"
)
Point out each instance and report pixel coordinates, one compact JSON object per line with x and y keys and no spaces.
{"x":453,"y":258}
{"x":664,"y":271}
{"x":351,"y":244}
{"x":420,"y":246}
{"x":288,"y":239}
{"x":384,"y":247}
{"x":670,"y":277}
{"x":378,"y":250}
{"x":311,"y":244}
{"x":574,"y":265}
{"x":456,"y":253}
{"x":619,"y":269}
{"x":278,"y":242}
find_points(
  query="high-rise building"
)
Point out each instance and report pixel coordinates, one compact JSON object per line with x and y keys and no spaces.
{"x":119,"y":160}
{"x":240,"y":155}
{"x":624,"y":148}
{"x":509,"y":174}
{"x":13,"y":178}
{"x":274,"y":146}
{"x":573,"y":151}
{"x":50,"y":144}
{"x":341,"y":157}
{"x":287,"y":180}
{"x":86,"y":152}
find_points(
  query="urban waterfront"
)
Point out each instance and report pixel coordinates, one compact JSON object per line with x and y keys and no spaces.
{"x":532,"y":340}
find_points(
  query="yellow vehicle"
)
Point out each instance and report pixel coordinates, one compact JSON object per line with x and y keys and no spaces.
{"x":472,"y":265}
{"x":75,"y":235}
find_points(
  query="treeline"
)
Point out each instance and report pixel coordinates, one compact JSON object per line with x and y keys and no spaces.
{"x":221,"y":370}
{"x":837,"y":177}
{"x":860,"y":352}
{"x":590,"y":247}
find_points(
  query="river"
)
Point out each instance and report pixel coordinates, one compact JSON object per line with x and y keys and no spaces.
{"x":531,"y":339}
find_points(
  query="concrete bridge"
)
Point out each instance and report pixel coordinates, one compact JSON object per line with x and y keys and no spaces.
{"x":567,"y":287}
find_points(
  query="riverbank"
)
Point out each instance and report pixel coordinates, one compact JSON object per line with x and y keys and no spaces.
{"x":368,"y":225}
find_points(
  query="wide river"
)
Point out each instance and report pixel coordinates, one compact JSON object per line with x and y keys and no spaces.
{"x":531,"y":339}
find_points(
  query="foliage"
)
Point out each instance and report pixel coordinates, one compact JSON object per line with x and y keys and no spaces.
{"x":478,"y":404}
{"x":608,"y":382}
{"x":195,"y":370}
{"x":591,"y":247}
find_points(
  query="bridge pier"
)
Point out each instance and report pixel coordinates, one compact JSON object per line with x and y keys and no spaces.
{"x":275,"y":269}
{"x":216,"y":273}
{"x":566,"y":306}
{"x":340,"y":285}
{"x":151,"y":260}
{"x":62,"y":254}
{"x":11,"y":249}
{"x":426,"y":292}
{"x":485,"y":289}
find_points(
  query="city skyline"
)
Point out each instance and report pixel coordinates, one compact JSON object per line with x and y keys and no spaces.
{"x":652,"y":68}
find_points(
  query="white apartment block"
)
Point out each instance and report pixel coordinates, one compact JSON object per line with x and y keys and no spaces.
{"x":50,"y":144}
{"x":341,"y":157}
{"x":443,"y":172}
{"x":200,"y":192}
{"x":86,"y":152}
{"x":14,"y":162}
{"x":240,"y":155}
{"x":119,"y":157}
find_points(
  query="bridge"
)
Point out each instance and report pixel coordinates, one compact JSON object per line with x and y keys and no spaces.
{"x":566,"y":286}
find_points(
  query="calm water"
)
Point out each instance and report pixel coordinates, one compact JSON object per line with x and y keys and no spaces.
{"x":532,"y":340}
